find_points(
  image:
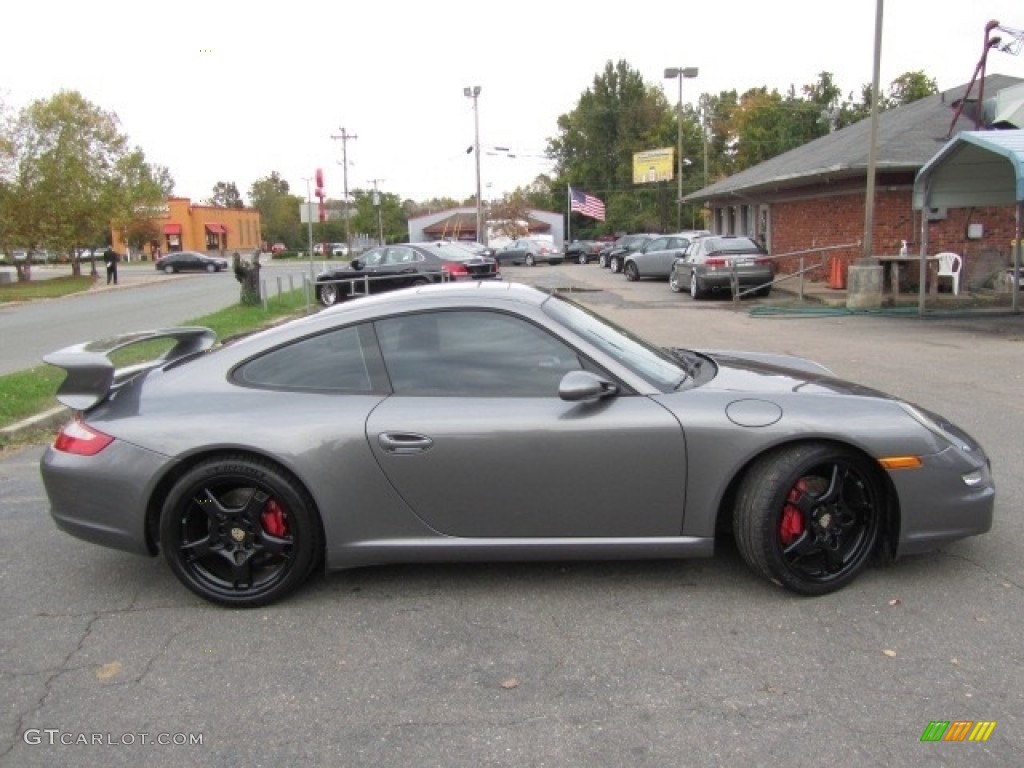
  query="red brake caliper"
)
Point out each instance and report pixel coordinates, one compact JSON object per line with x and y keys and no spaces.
{"x":273,"y":519}
{"x":792,"y":524}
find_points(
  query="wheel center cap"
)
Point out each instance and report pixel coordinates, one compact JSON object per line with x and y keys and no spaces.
{"x":825,"y":519}
{"x":238,"y":534}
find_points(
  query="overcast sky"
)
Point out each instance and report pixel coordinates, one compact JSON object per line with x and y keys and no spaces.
{"x":225,"y":90}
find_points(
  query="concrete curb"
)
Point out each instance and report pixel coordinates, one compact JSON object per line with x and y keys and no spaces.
{"x":51,"y":418}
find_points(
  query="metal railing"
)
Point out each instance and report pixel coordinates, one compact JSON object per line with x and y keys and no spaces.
{"x":737,"y":294}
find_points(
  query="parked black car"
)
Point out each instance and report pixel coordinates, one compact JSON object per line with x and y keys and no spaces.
{"x":584,"y":251}
{"x":614,"y":255}
{"x":397,"y":266}
{"x":189,"y":261}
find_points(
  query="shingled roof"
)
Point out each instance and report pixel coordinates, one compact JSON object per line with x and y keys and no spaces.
{"x":908,"y":137}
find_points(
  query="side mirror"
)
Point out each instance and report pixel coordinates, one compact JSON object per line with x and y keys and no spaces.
{"x":583,"y":385}
{"x":356,"y":264}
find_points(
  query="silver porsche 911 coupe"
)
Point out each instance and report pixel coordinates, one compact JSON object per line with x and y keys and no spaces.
{"x":467,"y":422}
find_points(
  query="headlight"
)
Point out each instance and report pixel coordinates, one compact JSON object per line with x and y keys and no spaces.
{"x":941,"y":427}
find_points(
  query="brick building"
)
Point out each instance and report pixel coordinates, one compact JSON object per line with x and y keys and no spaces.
{"x":813,"y":196}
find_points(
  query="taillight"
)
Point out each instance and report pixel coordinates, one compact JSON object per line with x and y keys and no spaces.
{"x":544,"y":249}
{"x":454,"y":269}
{"x":715,"y":262}
{"x":763,"y":261}
{"x":81,"y":440}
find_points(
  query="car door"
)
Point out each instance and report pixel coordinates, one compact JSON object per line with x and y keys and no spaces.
{"x":662,"y":258}
{"x":477,"y":441}
{"x":514,"y":252}
{"x":370,"y":265}
{"x":647,"y":254}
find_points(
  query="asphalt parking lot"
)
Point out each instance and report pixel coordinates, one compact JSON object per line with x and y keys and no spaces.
{"x":104,"y":655}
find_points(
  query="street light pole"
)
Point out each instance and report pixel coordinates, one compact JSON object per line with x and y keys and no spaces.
{"x":680,"y":72}
{"x":472,"y":93}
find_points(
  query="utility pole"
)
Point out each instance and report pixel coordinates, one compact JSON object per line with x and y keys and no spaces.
{"x":344,"y":137}
{"x":376,"y":202}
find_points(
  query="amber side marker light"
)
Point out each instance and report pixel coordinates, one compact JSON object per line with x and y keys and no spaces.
{"x":901,"y":462}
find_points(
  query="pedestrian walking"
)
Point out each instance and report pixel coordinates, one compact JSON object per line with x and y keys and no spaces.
{"x":110,"y":258}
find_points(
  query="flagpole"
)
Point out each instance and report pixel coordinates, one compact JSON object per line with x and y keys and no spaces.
{"x":568,"y":215}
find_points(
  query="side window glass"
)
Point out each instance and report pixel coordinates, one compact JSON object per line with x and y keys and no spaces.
{"x":343,"y":360}
{"x":472,"y":354}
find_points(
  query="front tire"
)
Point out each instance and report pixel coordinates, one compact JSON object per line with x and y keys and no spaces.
{"x":211,"y":268}
{"x":674,"y":284}
{"x":238,"y":531}
{"x":632,"y":273}
{"x":809,"y":517}
{"x":615,"y":265}
{"x":329,"y":294}
{"x":582,"y":259}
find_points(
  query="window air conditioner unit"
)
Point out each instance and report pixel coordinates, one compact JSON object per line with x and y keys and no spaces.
{"x":936,"y":214}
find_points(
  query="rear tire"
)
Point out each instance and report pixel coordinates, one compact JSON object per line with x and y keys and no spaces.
{"x":530,"y":261}
{"x":238,"y":531}
{"x":695,"y":290}
{"x":582,"y":259}
{"x":168,"y":270}
{"x":673,"y":283}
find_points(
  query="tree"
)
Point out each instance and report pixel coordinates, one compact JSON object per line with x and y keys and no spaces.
{"x":279,"y":210}
{"x":619,"y":115}
{"x":70,"y":173}
{"x":226,"y":195}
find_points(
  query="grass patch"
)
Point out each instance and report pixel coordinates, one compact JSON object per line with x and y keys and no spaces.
{"x":27,"y":393}
{"x":44,"y":289}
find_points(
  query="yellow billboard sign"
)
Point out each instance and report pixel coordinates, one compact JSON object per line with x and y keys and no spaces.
{"x":653,"y":165}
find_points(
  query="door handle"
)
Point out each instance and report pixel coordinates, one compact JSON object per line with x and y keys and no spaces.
{"x":404,"y":443}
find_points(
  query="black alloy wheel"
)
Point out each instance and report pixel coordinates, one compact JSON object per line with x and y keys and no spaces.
{"x":809,"y":517}
{"x":237,"y":531}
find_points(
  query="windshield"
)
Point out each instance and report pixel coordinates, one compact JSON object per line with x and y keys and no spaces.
{"x":651,"y":363}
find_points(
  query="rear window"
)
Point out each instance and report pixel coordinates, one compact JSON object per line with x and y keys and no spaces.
{"x":734,"y":245}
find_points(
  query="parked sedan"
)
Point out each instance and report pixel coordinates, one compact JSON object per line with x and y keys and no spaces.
{"x":656,"y":256}
{"x":190,"y":261}
{"x":469,"y":422}
{"x":529,"y":251}
{"x":584,"y":251}
{"x":388,"y":267}
{"x":712,"y":263}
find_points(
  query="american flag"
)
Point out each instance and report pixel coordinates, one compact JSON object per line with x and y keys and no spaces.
{"x":586,"y":204}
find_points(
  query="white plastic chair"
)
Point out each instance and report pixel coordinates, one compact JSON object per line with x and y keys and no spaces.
{"x":950,"y":265}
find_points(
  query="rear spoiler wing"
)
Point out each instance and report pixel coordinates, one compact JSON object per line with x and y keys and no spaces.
{"x":91,"y":374}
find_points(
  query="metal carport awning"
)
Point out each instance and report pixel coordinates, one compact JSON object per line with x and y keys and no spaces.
{"x":974,"y":169}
